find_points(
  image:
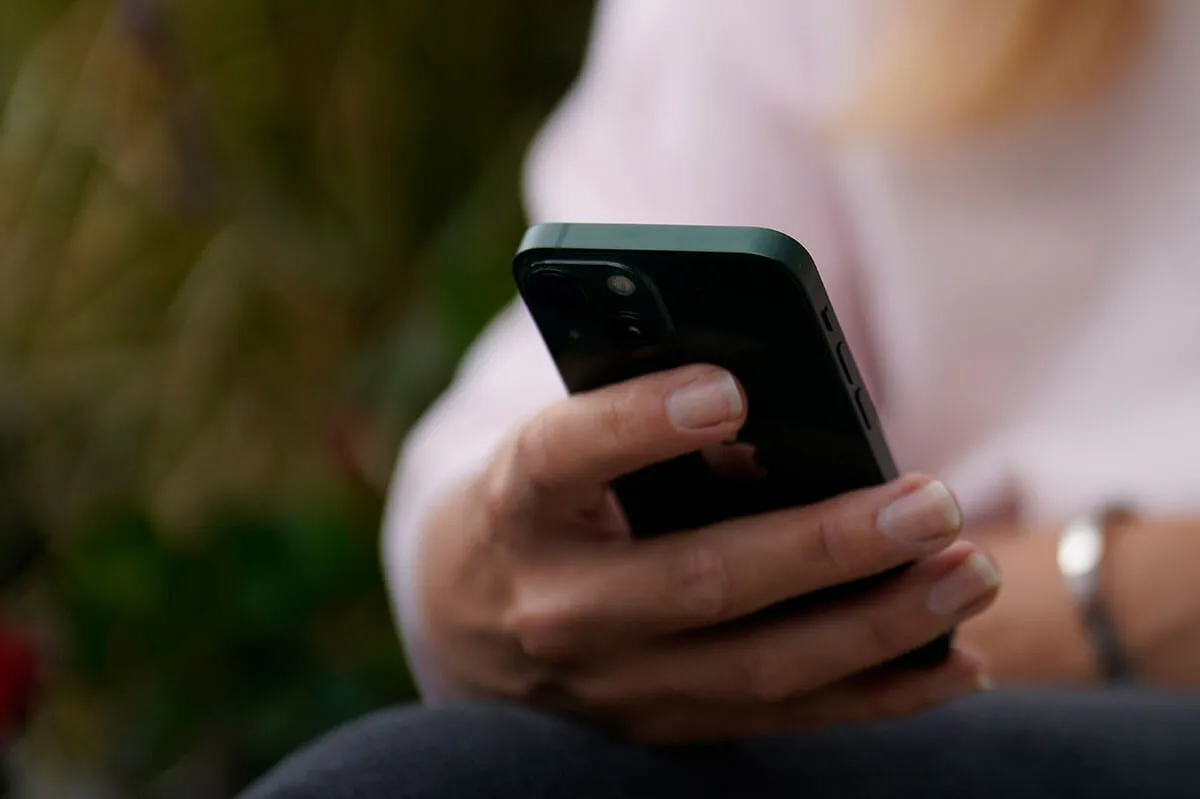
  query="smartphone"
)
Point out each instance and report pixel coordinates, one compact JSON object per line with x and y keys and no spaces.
{"x":614,"y":302}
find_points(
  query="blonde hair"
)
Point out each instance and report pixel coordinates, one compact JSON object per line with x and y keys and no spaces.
{"x":953,"y":65}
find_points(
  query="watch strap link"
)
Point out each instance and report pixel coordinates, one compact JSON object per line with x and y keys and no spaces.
{"x":1110,"y":655}
{"x":1089,"y":534}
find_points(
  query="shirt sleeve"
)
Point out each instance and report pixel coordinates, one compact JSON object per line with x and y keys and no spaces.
{"x":675,"y":118}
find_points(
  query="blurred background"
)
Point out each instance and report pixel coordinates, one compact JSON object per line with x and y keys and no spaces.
{"x":242,"y":244}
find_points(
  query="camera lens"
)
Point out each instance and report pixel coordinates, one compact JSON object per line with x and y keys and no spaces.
{"x":630,"y":332}
{"x":558,"y":290}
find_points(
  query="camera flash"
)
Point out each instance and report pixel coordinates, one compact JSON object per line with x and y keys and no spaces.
{"x":619,"y":284}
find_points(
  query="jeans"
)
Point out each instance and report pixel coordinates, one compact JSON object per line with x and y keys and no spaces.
{"x":1024,"y":745}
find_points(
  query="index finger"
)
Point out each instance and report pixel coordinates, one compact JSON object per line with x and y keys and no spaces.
{"x":608,"y":597}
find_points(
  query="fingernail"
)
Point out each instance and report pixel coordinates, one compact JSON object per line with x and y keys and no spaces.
{"x":706,"y":403}
{"x":959,"y":687}
{"x":925,"y":516}
{"x":964,"y":586}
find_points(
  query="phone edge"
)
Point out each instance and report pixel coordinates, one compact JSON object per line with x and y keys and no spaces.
{"x":760,"y":241}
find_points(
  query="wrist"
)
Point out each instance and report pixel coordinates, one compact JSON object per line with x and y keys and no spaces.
{"x":1033,"y":634}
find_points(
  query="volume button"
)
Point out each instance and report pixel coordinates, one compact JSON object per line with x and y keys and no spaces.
{"x":843,"y":356}
{"x":864,"y":408}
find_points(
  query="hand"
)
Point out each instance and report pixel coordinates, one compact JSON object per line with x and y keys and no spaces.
{"x":533,"y":589}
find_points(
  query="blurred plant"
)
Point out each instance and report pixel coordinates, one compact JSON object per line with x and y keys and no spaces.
{"x":255,"y":637}
{"x":242,"y":243}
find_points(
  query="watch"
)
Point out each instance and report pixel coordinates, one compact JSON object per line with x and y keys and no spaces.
{"x":1081,"y":548}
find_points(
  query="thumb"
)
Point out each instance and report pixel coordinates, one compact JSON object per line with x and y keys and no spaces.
{"x":585,"y":441}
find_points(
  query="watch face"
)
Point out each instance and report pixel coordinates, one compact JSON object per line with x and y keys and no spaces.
{"x":1080,"y":550}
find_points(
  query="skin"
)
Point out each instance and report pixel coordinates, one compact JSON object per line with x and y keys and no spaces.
{"x":532,"y":589}
{"x":1033,"y":633}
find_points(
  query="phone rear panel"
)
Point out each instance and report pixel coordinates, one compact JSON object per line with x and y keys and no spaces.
{"x":614,"y":302}
{"x":645,"y":299}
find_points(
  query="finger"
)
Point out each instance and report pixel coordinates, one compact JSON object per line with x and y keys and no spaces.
{"x":796,"y":655}
{"x":590,"y":599}
{"x":885,"y":694}
{"x":589,"y":439}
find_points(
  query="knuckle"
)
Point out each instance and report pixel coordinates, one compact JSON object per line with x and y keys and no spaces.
{"x":543,"y":632}
{"x":618,"y":420}
{"x":829,"y":544}
{"x":610,"y":415}
{"x":532,"y":454}
{"x":894,"y":627}
{"x":699,"y":581}
{"x":838,"y":547}
{"x":496,"y":494}
{"x":844,"y":541}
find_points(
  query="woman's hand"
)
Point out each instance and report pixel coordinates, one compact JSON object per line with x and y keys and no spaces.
{"x":533,"y":590}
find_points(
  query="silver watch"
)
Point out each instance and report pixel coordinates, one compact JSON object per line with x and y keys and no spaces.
{"x":1081,"y":549}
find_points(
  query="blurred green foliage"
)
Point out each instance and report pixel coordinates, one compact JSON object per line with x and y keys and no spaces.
{"x":242,"y":243}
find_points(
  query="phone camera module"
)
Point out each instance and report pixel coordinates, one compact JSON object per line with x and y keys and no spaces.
{"x":630,"y":332}
{"x":622,"y":286}
{"x":560,"y":291}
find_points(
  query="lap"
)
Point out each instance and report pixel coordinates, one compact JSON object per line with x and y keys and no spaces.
{"x":1035,"y":744}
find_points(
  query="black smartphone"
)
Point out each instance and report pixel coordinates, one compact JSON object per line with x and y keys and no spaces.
{"x":614,"y":302}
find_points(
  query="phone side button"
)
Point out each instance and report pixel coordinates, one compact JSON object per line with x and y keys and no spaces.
{"x":843,"y":359}
{"x":864,"y":408}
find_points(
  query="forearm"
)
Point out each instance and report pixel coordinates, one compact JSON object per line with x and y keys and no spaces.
{"x":1151,"y":582}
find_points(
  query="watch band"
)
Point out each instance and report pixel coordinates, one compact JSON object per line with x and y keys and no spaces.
{"x":1081,"y":549}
